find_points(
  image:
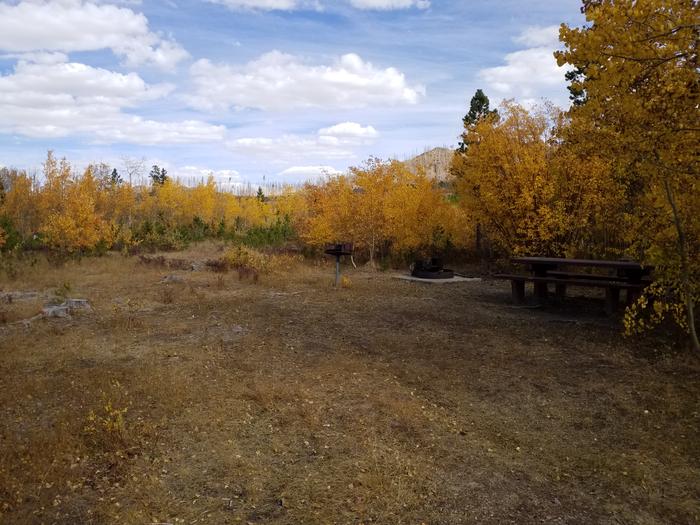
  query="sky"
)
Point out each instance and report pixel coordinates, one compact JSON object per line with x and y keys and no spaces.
{"x":263,"y":90}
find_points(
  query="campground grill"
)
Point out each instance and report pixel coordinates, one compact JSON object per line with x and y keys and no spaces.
{"x":432,"y":269}
{"x":337,"y":251}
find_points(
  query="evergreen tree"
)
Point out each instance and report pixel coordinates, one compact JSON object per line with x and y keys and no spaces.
{"x":115,"y":178}
{"x":576,"y":77}
{"x":478,"y":110}
{"x":158,"y":175}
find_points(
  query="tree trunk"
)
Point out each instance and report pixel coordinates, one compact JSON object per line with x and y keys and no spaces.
{"x":478,"y":238}
{"x":685,"y":270}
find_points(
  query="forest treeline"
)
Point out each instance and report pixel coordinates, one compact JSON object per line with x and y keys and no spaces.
{"x":614,"y":176}
{"x":382,"y":207}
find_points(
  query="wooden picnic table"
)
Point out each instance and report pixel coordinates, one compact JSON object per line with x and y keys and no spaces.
{"x":630,"y":276}
{"x":543,"y":265}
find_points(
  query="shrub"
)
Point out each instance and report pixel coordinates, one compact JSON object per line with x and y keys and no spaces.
{"x":105,"y":427}
{"x":241,"y":257}
{"x":218,"y":265}
{"x":10,"y":238}
{"x":276,"y":234}
{"x":197,"y":230}
{"x":244,"y":258}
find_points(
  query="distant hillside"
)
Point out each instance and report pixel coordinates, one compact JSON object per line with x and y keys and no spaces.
{"x":435,"y":162}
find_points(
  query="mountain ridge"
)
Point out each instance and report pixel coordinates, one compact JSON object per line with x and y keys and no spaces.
{"x":435,"y":162}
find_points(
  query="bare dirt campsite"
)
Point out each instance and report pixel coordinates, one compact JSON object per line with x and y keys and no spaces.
{"x":184,"y":395}
{"x":511,"y":190}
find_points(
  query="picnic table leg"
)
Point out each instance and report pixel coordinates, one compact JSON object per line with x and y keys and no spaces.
{"x":518,"y":289}
{"x":541,"y":291}
{"x":561,"y":291}
{"x":612,"y":299}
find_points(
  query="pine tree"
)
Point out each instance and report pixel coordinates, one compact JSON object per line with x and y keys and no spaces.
{"x":158,"y":175}
{"x":115,"y":178}
{"x":478,"y":110}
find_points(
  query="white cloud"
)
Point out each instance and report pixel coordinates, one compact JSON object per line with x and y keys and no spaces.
{"x":38,"y":57}
{"x":192,"y":175}
{"x":532,"y":73}
{"x":335,"y":142}
{"x":350,"y":129}
{"x":261,"y":5}
{"x":136,"y":130}
{"x":308,"y":172}
{"x":385,"y":5}
{"x":291,"y":148}
{"x":40,"y":82}
{"x":76,"y":25}
{"x":290,"y":5}
{"x":58,"y":99}
{"x":537,"y":36}
{"x":278,"y":81}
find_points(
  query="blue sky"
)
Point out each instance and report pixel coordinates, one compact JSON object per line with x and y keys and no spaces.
{"x":247,"y":89}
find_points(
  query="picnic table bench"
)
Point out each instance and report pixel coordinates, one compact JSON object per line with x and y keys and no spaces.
{"x":629,"y":276}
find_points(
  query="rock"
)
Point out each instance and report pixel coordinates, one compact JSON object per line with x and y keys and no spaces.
{"x":66,"y":308}
{"x":179,"y":264}
{"x":168,"y":279}
{"x":237,"y":329}
{"x":232,"y":334}
{"x":435,"y":163}
{"x":10,"y":297}
{"x":27,"y":323}
{"x":61,"y":311}
{"x":77,"y":304}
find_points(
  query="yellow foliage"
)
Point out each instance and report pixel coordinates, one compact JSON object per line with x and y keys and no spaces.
{"x":228,"y":207}
{"x":72,"y":222}
{"x":330,"y":212}
{"x":378,"y":205}
{"x":292,"y":204}
{"x":639,"y":91}
{"x":531,"y":195}
{"x":418,"y":214}
{"x":111,"y":420}
{"x":21,"y":204}
{"x":254,"y":212}
{"x":169,"y":203}
{"x":106,"y":426}
{"x":242,"y":257}
{"x":119,"y":204}
{"x":658,"y":301}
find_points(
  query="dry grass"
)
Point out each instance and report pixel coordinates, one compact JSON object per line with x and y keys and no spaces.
{"x":207,"y":399}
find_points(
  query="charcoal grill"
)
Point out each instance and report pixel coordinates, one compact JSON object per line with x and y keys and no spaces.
{"x":337,"y":251}
{"x":432,"y":269}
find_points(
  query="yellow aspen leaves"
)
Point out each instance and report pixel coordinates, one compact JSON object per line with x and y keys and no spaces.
{"x":636,"y":83}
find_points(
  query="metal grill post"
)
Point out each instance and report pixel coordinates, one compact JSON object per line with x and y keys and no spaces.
{"x":338,"y":250}
{"x":337,"y":270}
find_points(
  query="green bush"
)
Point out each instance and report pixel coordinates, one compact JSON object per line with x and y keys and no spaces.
{"x":158,"y":236}
{"x":278,"y":233}
{"x":13,"y":239}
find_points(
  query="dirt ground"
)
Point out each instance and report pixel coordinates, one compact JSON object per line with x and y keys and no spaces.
{"x":212,"y":400}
